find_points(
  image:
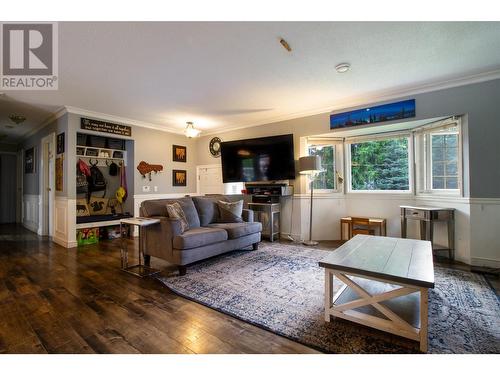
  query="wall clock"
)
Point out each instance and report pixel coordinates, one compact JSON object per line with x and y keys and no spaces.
{"x":214,"y":146}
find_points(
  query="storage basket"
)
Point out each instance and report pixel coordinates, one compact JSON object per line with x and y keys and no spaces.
{"x":96,"y":141}
{"x":116,"y":144}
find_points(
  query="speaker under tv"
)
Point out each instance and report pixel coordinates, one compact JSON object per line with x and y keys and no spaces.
{"x":258,"y":159}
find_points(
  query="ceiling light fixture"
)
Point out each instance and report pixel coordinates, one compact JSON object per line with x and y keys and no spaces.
{"x":190,"y":131}
{"x":17,"y":119}
{"x":343,"y":67}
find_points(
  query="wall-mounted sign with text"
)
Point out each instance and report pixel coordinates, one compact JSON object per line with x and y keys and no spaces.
{"x":106,"y":127}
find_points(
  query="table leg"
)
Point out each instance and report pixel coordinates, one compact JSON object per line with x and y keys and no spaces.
{"x":430,"y":231}
{"x":424,"y":311}
{"x":341,"y":230}
{"x":423,"y":230}
{"x":451,"y":238}
{"x":403,"y":223}
{"x":328,"y":293}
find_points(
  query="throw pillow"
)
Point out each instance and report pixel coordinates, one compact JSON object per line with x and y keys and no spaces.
{"x":230,"y":212}
{"x":175,"y":211}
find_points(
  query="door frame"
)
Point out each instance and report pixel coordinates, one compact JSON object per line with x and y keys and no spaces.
{"x":198,"y":168}
{"x":47,"y":181}
{"x":19,"y":183}
{"x":20,"y":186}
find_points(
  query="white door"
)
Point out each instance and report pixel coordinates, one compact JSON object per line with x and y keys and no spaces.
{"x":47,"y":185}
{"x":209,"y":179}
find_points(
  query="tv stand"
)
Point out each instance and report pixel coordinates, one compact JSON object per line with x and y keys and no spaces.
{"x":268,"y":192}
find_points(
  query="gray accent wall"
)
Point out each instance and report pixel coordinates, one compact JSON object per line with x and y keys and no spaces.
{"x":479,"y":103}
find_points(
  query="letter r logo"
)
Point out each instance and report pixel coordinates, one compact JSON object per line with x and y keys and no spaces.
{"x":27,"y":49}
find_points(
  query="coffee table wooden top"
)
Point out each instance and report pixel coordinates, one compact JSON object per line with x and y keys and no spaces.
{"x":390,"y":259}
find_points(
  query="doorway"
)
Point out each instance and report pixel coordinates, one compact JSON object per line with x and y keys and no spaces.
{"x":209,"y":179}
{"x":8,"y":188}
{"x":47,"y":185}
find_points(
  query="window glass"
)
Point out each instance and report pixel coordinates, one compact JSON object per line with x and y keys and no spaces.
{"x":444,"y":161}
{"x":325,"y":180}
{"x":380,"y":165}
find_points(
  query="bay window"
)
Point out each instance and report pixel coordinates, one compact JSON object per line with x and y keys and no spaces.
{"x":379,"y":164}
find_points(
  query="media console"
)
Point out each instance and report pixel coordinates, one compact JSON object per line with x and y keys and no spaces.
{"x":268,"y":193}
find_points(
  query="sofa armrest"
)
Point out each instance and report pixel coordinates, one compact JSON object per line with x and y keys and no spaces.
{"x":159,"y":237}
{"x":247,"y":215}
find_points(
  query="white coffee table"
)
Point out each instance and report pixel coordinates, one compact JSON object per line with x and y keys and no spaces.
{"x":386,"y":282}
{"x":139,"y":269}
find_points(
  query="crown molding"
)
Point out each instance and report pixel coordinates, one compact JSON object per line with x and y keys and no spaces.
{"x":49,"y":119}
{"x":123,"y":120}
{"x":371,"y":98}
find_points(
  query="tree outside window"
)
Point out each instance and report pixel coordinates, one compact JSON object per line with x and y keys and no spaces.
{"x":324,"y":180}
{"x":380,"y":165}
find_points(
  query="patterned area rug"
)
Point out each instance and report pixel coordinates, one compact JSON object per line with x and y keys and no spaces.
{"x":281,"y":287}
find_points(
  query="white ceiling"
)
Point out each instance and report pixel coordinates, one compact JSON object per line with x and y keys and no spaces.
{"x":225,"y":75}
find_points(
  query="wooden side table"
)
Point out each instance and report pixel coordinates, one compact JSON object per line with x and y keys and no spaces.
{"x":427,"y":217}
{"x":373,"y":222}
{"x":139,"y":269}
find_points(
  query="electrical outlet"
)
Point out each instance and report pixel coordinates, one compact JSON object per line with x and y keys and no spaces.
{"x":146,"y":189}
{"x":155,"y":189}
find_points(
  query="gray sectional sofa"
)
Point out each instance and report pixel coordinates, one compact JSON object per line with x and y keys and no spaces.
{"x":206,"y":236}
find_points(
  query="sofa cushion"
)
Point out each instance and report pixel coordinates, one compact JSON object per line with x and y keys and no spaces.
{"x":230,"y":212}
{"x":175,"y":212}
{"x":200,"y":236}
{"x":207,"y":208}
{"x":236,"y":230}
{"x":158,"y":207}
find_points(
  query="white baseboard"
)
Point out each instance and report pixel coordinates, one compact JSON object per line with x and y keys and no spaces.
{"x":485,"y":262}
{"x":64,"y":243}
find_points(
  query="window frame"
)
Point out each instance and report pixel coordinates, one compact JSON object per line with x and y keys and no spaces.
{"x":379,"y":137}
{"x":423,"y":157}
{"x":338,"y":163}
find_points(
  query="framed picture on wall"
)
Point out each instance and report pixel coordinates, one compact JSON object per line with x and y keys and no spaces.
{"x":179,"y":177}
{"x":29,"y":160}
{"x":60,"y":143}
{"x":179,"y":153}
{"x":59,"y":173}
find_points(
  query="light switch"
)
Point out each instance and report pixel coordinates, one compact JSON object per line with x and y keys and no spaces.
{"x":146,"y":189}
{"x":155,"y":189}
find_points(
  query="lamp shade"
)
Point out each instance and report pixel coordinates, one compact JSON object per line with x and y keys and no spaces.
{"x":309,"y":164}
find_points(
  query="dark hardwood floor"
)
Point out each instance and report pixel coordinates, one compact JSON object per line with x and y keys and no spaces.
{"x":57,"y":300}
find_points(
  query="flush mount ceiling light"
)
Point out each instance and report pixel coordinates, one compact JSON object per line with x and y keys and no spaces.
{"x":190,"y":131}
{"x":17,"y":119}
{"x":343,"y":67}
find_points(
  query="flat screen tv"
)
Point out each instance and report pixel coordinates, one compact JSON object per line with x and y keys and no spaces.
{"x":258,"y":159}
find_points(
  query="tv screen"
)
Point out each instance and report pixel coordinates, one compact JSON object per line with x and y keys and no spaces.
{"x":258,"y":159}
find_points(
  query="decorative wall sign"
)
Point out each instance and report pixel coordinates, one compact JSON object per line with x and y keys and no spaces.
{"x":179,"y":153}
{"x":60,"y":143}
{"x":105,"y":127}
{"x":29,"y":160}
{"x":214,"y":146}
{"x":179,"y":177}
{"x":59,"y":173}
{"x":146,"y":169}
{"x":371,"y":115}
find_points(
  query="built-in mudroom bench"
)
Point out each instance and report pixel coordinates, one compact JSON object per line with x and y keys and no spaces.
{"x":101,"y":187}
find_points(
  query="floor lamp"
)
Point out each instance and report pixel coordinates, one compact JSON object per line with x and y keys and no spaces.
{"x":310,"y":165}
